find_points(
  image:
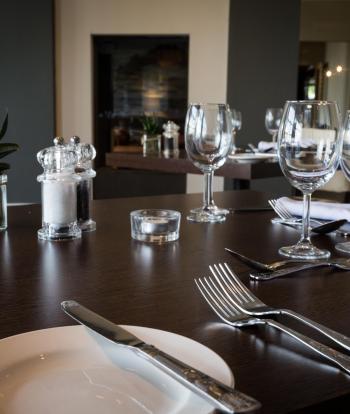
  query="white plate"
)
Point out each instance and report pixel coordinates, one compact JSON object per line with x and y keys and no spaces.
{"x":72,"y":370}
{"x":252,"y":157}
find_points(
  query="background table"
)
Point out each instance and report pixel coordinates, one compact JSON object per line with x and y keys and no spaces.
{"x":240,"y":173}
{"x":134,"y":283}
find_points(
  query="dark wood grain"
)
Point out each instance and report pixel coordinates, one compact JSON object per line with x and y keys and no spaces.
{"x":134,"y":283}
{"x":182,"y":165}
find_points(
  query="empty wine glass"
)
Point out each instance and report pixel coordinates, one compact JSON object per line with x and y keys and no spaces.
{"x":309,"y":148}
{"x":208,"y":141}
{"x":345,"y":166}
{"x":273,"y":118}
{"x":237,"y":125}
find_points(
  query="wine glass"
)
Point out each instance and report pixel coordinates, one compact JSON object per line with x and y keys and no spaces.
{"x":345,"y":166}
{"x":237,"y":125}
{"x":273,"y":118}
{"x":208,"y":141}
{"x":309,"y":148}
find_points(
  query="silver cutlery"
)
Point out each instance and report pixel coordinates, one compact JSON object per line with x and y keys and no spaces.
{"x":220,"y":396}
{"x":340,"y":263}
{"x":264,"y":266}
{"x":223,"y":305}
{"x":324,"y":228}
{"x":247,"y":302}
{"x":318,"y":226}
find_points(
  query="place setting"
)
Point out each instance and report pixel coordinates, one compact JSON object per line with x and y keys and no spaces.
{"x":310,"y":146}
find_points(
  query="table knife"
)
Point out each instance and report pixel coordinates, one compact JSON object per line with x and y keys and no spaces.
{"x":223,"y":398}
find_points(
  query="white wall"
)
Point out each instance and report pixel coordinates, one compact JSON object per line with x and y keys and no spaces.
{"x":205,"y":21}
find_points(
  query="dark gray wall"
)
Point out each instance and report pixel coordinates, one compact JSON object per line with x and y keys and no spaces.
{"x":263,"y":60}
{"x":27,"y":89}
{"x":262,"y":67}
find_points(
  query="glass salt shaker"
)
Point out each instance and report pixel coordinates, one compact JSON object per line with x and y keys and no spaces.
{"x":58,"y":192}
{"x":86,"y":153}
{"x":171,"y":139}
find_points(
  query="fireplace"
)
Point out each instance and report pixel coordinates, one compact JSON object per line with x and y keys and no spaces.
{"x":136,"y":76}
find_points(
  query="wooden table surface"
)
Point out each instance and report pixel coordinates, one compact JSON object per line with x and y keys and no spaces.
{"x":135,"y":283}
{"x":182,"y":165}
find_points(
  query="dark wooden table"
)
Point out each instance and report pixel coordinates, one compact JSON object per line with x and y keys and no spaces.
{"x":134,"y":283}
{"x":242,"y":173}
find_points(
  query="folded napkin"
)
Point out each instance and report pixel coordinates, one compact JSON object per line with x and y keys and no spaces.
{"x":267,"y":146}
{"x":319,"y":209}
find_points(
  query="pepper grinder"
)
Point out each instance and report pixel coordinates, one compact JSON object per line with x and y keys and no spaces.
{"x":171,"y":139}
{"x":85,"y":153}
{"x":58,"y":192}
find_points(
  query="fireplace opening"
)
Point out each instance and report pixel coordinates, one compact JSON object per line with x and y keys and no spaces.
{"x":136,"y":76}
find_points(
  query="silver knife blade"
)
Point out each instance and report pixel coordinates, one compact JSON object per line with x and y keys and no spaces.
{"x":220,"y":396}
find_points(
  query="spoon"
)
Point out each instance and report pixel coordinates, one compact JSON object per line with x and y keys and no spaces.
{"x":340,"y":263}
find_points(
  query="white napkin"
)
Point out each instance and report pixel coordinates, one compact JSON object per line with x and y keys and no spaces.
{"x":267,"y":146}
{"x":319,"y":209}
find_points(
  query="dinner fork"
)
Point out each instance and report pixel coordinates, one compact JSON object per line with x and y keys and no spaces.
{"x":247,"y":302}
{"x":232,"y":315}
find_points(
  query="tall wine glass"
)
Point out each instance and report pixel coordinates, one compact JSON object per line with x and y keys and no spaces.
{"x":345,"y":166}
{"x":208,"y":141}
{"x":236,"y":126}
{"x":273,"y":118}
{"x":309,"y":148}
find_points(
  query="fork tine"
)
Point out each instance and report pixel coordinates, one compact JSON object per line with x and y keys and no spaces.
{"x":236,"y":280}
{"x":283,"y":209}
{"x":234,"y":312}
{"x":280,"y":209}
{"x":232,"y":288}
{"x":211,"y":300}
{"x":273,"y":205}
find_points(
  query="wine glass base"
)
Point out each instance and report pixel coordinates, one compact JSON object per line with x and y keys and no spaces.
{"x":211,"y":210}
{"x":304,"y":251}
{"x":215,"y":215}
{"x":343,"y":247}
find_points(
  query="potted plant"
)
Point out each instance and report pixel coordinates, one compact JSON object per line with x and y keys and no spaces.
{"x":151,"y":139}
{"x":5,"y":149}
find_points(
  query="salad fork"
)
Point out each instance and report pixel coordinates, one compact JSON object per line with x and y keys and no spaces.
{"x":227,"y":311}
{"x":247,"y":302}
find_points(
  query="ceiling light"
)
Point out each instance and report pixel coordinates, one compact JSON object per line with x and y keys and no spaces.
{"x":339,"y":68}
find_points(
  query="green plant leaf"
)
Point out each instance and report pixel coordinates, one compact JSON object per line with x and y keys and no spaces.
{"x":4,"y":166}
{"x":4,"y":126}
{"x":7,"y":148}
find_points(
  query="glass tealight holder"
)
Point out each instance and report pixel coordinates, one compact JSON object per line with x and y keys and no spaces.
{"x":155,"y":225}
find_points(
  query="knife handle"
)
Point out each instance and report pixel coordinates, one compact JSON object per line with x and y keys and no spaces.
{"x":226,"y":399}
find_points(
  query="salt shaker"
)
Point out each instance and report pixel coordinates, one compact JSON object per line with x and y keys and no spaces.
{"x":86,"y":153}
{"x":58,"y":192}
{"x":171,"y":139}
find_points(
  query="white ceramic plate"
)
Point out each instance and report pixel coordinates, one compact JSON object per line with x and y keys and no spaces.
{"x":71,"y":370}
{"x":252,"y":157}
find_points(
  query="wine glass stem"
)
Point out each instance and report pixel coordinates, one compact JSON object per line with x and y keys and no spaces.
{"x":208,"y":190}
{"x":306,"y":218}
